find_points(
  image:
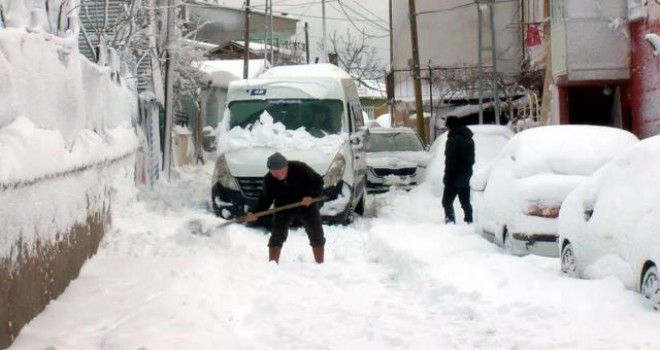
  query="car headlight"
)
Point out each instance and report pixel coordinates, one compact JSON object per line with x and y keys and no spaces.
{"x":222,"y":175}
{"x":336,"y":171}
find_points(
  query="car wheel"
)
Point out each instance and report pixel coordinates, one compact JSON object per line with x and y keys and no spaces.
{"x":215,"y":193}
{"x":360,"y":209}
{"x":651,"y":286}
{"x":568,"y":261}
{"x":349,"y":217}
{"x":506,"y":241}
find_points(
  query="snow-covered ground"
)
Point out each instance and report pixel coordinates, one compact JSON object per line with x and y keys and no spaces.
{"x":398,"y":279}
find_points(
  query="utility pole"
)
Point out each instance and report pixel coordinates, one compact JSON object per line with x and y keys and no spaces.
{"x":421,"y":129}
{"x":246,"y":40}
{"x":324,"y":41}
{"x":266,"y":32}
{"x":272,"y":52}
{"x":483,"y":5}
{"x":481,"y":62}
{"x":169,"y":91}
{"x":392,"y":73}
{"x":307,"y":43}
{"x":431,"y":89}
{"x":496,"y":95}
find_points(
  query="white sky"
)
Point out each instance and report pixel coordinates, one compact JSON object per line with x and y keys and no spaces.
{"x":368,"y":12}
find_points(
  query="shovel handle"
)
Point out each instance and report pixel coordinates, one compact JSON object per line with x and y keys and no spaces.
{"x":272,"y":211}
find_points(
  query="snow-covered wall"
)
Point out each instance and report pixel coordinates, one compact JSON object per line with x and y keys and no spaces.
{"x":66,"y":134}
{"x":60,"y":115}
{"x":46,"y":80}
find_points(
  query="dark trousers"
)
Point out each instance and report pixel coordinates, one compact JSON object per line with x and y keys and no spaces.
{"x":311,"y":220}
{"x":448,"y":197}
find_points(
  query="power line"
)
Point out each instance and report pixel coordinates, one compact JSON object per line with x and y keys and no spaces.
{"x":358,"y":28}
{"x":374,"y":23}
{"x":457,"y":7}
{"x":445,"y":9}
{"x":370,"y":12}
{"x":295,"y":5}
{"x":330,"y":18}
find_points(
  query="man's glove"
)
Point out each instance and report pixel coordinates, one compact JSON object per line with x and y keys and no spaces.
{"x":250,"y":217}
{"x":306,"y":201}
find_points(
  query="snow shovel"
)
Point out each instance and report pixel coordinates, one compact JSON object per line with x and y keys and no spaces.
{"x":270,"y":211}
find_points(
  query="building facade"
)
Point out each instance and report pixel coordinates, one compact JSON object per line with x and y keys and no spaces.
{"x":644,"y":19}
{"x":590,"y":55}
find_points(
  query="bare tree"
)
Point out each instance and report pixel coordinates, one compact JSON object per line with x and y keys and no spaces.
{"x":357,"y":58}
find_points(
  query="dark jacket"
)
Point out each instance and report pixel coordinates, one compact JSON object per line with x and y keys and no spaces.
{"x":459,"y":157}
{"x":301,"y":181}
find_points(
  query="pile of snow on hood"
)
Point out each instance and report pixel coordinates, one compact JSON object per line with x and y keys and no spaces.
{"x":266,"y":133}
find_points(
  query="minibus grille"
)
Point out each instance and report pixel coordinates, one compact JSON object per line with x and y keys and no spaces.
{"x":397,"y":172}
{"x":251,"y":186}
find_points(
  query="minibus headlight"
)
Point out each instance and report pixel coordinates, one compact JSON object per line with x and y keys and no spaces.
{"x":222,"y":175}
{"x":335,"y":172}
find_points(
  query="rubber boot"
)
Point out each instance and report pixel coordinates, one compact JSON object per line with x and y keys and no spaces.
{"x":318,"y":254}
{"x":274,"y":254}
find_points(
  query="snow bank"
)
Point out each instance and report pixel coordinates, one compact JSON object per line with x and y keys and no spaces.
{"x":28,"y":153}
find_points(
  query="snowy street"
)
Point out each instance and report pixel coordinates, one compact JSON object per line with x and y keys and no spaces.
{"x":397,"y":279}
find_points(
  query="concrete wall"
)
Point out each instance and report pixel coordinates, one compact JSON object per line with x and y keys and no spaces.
{"x":39,"y":274}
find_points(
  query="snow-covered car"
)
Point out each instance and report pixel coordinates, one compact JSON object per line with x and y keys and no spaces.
{"x":395,"y":157}
{"x":488,"y":140}
{"x":522,"y":189}
{"x":609,"y":226}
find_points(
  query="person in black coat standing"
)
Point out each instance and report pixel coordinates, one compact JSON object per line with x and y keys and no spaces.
{"x":289,"y":182}
{"x":459,"y":158}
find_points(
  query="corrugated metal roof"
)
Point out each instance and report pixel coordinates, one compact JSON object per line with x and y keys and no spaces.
{"x":92,"y":17}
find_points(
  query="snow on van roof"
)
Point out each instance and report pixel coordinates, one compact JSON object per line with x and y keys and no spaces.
{"x":321,"y":70}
